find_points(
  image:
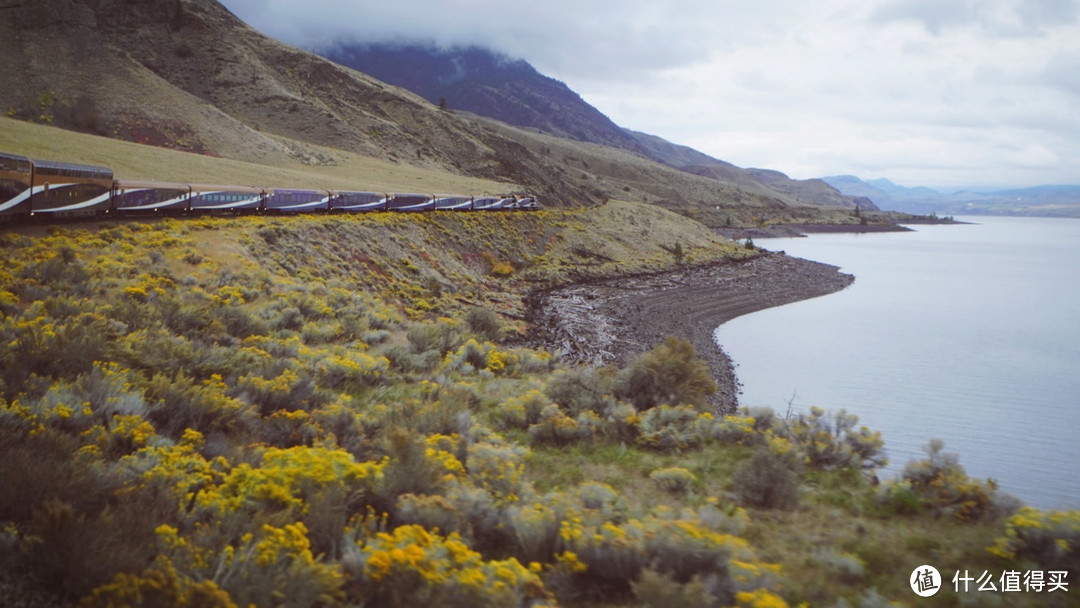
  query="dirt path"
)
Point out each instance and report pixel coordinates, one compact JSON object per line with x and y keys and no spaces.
{"x":610,"y":321}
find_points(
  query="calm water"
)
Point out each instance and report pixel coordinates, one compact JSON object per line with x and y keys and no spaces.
{"x":969,"y":333}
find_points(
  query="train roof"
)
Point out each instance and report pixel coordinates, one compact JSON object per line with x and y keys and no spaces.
{"x":135,"y":183}
{"x":16,"y":157}
{"x":320,"y":190}
{"x":205,"y":188}
{"x":73,"y":169}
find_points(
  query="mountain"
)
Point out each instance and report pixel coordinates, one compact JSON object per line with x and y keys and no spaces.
{"x":1051,"y":201}
{"x":189,"y":74}
{"x":493,"y":85}
{"x":486,"y":83}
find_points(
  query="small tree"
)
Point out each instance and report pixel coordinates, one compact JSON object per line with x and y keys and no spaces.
{"x":670,"y":373}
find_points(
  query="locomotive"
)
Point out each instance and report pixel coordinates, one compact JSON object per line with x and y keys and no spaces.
{"x":35,"y":190}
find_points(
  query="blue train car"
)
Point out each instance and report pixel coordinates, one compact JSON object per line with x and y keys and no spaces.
{"x":359,"y":202}
{"x":16,"y":186}
{"x":453,"y":203}
{"x":412,"y":202}
{"x":493,"y":203}
{"x":528,"y":203}
{"x":226,"y":198}
{"x":138,"y":198}
{"x":68,"y":189}
{"x":284,"y":200}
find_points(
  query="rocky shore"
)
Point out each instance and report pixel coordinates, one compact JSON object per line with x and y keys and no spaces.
{"x":611,"y":321}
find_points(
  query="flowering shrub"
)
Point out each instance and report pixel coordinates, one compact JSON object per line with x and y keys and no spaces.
{"x":266,"y":569}
{"x":521,"y":411}
{"x":411,"y":566}
{"x":943,"y":486}
{"x":613,"y":556}
{"x":1050,"y":539}
{"x":498,"y":469}
{"x":351,"y":370}
{"x":556,"y":428}
{"x":835,"y":443}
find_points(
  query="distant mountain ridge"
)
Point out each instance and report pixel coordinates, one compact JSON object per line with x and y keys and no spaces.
{"x":1050,"y":201}
{"x":486,"y":83}
{"x":480,"y":81}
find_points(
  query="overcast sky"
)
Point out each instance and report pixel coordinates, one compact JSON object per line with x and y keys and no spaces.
{"x":941,"y":93}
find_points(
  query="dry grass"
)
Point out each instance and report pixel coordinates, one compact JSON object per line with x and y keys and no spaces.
{"x":135,"y":161}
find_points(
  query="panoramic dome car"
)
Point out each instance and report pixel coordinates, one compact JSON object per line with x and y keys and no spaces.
{"x":355,"y":201}
{"x":206,"y":197}
{"x":68,"y":189}
{"x":143,"y":197}
{"x":285,"y":200}
{"x":453,"y":203}
{"x":16,"y":179}
{"x":412,"y":202}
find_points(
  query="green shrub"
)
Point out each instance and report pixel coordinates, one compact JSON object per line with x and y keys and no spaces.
{"x":766,"y":481}
{"x":582,"y":390}
{"x":484,"y":323}
{"x":670,"y":374}
{"x":669,"y":429}
{"x":658,"y":590}
{"x":601,"y":503}
{"x":441,"y":336}
{"x":675,"y":480}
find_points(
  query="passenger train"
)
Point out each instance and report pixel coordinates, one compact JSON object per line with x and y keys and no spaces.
{"x":33,"y":190}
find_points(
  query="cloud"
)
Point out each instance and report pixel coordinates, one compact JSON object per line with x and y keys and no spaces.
{"x":996,"y":17}
{"x":938,"y":91}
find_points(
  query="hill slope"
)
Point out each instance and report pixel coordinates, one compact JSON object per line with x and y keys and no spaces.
{"x":190,"y":75}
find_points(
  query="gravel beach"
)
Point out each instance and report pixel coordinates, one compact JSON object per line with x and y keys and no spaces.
{"x":611,"y":321}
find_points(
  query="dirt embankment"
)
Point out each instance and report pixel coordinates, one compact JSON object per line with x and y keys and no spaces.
{"x":610,"y":321}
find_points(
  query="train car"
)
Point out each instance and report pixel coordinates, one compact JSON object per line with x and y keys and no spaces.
{"x":68,"y":189}
{"x":453,"y":203}
{"x":493,"y":203}
{"x":284,"y":200}
{"x":210,"y":198}
{"x":147,"y":198}
{"x":528,"y":203}
{"x":16,"y":186}
{"x":359,"y":202}
{"x":412,"y":202}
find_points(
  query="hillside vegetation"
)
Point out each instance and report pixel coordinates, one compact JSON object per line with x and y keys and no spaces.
{"x":337,"y":410}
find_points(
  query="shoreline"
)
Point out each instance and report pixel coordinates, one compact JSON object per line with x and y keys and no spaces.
{"x":610,"y":321}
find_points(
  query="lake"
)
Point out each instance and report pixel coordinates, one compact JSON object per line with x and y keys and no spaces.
{"x":967,"y":333}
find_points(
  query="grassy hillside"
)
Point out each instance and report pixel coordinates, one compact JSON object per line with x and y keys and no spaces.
{"x":136,"y":161}
{"x":210,"y":412}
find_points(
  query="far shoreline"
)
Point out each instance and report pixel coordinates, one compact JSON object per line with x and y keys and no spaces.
{"x":610,"y":321}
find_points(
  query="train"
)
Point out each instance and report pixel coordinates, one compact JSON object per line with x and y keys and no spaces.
{"x":39,"y":190}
